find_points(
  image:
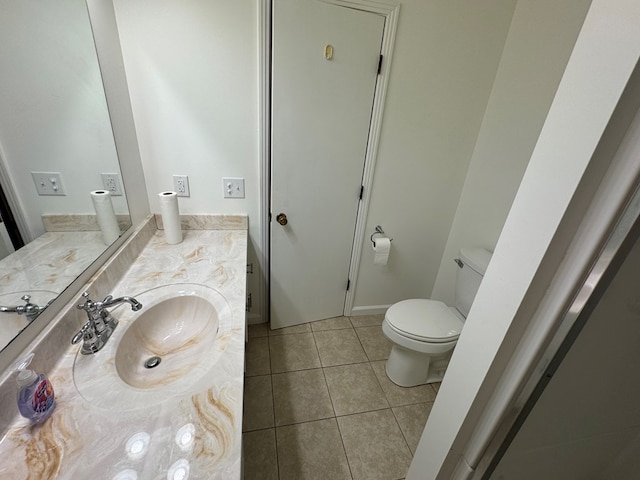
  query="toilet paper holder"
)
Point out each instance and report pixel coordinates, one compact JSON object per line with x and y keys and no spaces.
{"x":379,"y":231}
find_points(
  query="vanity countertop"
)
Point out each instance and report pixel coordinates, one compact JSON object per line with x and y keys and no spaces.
{"x":194,"y":436}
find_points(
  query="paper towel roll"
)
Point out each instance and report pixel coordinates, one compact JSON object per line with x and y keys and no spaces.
{"x":105,"y":215}
{"x":170,"y":217}
{"x":381,"y":248}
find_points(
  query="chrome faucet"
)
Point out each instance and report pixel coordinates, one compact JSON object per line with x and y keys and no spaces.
{"x":101,"y":323}
{"x":29,"y":310}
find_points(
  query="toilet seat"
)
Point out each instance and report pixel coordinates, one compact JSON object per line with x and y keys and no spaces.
{"x":424,"y":320}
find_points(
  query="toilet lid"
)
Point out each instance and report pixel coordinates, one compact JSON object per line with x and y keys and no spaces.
{"x":426,"y":320}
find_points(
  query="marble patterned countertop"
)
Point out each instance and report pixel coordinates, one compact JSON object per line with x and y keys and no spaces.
{"x":192,"y":433}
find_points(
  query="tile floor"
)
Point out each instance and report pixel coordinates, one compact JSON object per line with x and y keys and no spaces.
{"x":318,"y":404}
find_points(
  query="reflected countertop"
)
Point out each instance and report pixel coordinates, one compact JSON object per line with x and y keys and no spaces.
{"x":50,"y":262}
{"x":194,"y":436}
{"x":43,"y":268}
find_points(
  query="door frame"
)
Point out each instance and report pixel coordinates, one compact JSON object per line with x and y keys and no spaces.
{"x":15,"y":211}
{"x":390,"y":11}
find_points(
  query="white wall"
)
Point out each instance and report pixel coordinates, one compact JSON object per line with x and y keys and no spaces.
{"x":604,"y":56}
{"x":192,"y":69}
{"x":539,"y":43}
{"x":444,"y":63}
{"x":54,"y":114}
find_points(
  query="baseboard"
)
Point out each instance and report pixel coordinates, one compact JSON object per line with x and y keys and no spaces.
{"x":254,"y":318}
{"x":369,"y":310}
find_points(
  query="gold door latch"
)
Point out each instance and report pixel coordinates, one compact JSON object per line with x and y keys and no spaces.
{"x":328,"y":52}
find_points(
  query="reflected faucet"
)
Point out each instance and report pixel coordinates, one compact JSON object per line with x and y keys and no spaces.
{"x":101,"y":323}
{"x":29,"y":310}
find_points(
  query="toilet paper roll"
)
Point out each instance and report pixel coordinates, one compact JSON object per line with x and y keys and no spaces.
{"x":381,"y":248}
{"x":170,"y":217}
{"x":105,"y":215}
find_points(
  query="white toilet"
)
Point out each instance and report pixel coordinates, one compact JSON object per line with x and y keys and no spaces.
{"x":424,"y":332}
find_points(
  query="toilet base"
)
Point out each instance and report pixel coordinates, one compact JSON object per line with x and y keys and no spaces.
{"x":407,"y":368}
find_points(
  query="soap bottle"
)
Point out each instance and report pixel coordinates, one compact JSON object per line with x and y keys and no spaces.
{"x":35,"y":393}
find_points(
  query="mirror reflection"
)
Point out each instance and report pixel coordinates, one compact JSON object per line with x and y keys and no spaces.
{"x":61,"y":196}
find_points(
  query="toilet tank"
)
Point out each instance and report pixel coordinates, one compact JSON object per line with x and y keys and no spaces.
{"x":472,"y":264}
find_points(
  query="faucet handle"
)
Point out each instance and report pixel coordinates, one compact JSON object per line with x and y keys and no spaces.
{"x":81,"y":334}
{"x":88,"y":304}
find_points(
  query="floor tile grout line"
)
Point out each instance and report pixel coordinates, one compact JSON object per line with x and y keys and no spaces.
{"x":402,"y":432}
{"x":258,"y":430}
{"x":345,"y":364}
{"x":344,"y":448}
{"x":306,"y":421}
{"x":273,"y":408}
{"x":380,"y":383}
{"x":327,"y":385}
{"x":298,"y":370}
{"x":366,"y":411}
{"x":361,"y":344}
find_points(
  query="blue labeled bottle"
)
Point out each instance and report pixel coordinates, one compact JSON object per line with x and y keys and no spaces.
{"x":36,"y":399}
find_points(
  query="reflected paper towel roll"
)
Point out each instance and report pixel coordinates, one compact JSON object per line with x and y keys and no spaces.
{"x":170,"y":217}
{"x":381,"y":248}
{"x":105,"y":215}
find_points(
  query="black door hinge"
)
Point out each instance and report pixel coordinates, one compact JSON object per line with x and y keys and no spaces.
{"x":379,"y":64}
{"x":361,"y":191}
{"x":348,"y":284}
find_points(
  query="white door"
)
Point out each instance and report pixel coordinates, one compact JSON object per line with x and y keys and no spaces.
{"x":325,"y":64}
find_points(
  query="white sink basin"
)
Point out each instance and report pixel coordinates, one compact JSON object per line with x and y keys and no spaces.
{"x":160,"y":352}
{"x":167,"y":341}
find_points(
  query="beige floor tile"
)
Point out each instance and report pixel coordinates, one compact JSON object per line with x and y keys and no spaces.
{"x":339,"y":347}
{"x":259,"y":455}
{"x":258,"y":403}
{"x":399,"y":396}
{"x":376,"y":449}
{"x":412,"y":419}
{"x":436,"y":386}
{"x":293,"y":352}
{"x":302,"y":328}
{"x":375,"y":344}
{"x":354,"y":389}
{"x":312,"y":451}
{"x":258,"y":330}
{"x":366,"y":320}
{"x":337,"y":323}
{"x":257,"y":357}
{"x":301,"y":397}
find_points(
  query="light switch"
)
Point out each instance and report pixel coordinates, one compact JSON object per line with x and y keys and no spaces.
{"x":233,"y":187}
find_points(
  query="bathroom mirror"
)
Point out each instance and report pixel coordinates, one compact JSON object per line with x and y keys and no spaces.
{"x":54,"y":122}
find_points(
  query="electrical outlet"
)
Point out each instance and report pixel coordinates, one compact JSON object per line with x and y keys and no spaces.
{"x":48,"y":183}
{"x":233,"y":187}
{"x":111,"y":182}
{"x":181,"y":185}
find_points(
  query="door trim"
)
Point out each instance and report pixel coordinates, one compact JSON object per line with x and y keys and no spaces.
{"x":264,"y":142}
{"x":13,"y":201}
{"x":390,"y":11}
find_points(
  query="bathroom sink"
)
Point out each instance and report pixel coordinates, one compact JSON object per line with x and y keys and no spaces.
{"x":159,"y":352}
{"x":167,"y":341}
